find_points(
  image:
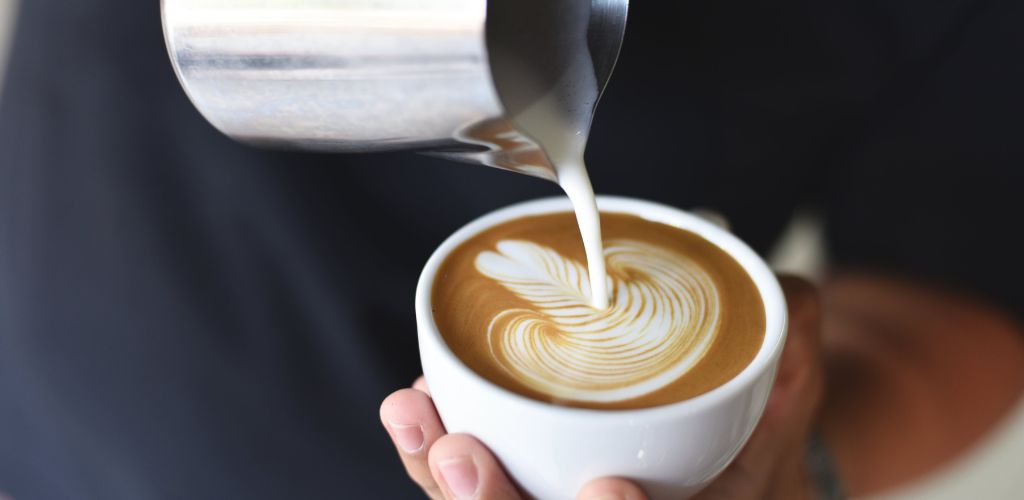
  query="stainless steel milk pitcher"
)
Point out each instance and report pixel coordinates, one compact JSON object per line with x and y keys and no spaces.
{"x":445,"y":77}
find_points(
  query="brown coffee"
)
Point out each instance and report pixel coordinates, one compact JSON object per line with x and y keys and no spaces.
{"x":513,"y":303}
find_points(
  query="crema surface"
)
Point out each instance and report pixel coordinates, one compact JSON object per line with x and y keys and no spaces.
{"x":513,"y":303}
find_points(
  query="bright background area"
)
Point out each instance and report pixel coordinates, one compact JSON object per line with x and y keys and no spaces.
{"x":992,"y":471}
{"x":6,"y":23}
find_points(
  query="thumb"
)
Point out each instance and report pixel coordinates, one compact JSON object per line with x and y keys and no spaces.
{"x":611,"y":488}
{"x":799,"y":381}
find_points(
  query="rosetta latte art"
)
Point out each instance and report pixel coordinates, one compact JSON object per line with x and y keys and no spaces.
{"x":663,"y":316}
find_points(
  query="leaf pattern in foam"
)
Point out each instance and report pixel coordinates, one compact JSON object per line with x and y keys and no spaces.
{"x":660,"y":322}
{"x":540,"y":275}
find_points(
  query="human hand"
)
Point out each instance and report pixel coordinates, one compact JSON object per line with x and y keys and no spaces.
{"x":771,"y":465}
{"x":457,"y":466}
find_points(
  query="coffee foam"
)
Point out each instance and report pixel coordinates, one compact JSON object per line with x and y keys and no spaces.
{"x":663,"y":316}
{"x":513,"y":303}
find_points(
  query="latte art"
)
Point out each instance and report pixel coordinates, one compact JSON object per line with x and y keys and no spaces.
{"x":663,"y":315}
{"x":514,"y":304}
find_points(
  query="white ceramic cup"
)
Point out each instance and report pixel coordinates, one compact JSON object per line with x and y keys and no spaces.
{"x":551,"y":451}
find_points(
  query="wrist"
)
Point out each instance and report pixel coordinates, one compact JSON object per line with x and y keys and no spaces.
{"x":823,"y":475}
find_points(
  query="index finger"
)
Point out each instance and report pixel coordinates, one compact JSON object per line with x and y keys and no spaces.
{"x":412,"y":422}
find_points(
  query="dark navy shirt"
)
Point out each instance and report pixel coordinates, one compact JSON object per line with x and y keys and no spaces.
{"x":185,"y":317}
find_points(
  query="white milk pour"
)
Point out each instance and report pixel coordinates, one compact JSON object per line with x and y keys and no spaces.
{"x":560,"y":123}
{"x":564,"y":143}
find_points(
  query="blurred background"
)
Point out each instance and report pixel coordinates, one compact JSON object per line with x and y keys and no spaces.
{"x":991,"y":469}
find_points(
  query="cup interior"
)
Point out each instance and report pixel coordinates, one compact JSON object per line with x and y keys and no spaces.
{"x":765,"y":281}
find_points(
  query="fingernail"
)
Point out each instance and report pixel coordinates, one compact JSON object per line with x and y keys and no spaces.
{"x":408,"y":436}
{"x":460,"y":476}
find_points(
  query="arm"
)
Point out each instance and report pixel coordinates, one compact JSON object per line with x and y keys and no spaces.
{"x":915,"y":377}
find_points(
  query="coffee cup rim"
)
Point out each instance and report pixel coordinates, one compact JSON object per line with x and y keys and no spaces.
{"x":764,"y":279}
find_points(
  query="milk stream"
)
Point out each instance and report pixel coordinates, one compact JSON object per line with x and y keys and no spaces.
{"x":573,"y":178}
{"x":560,"y":122}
